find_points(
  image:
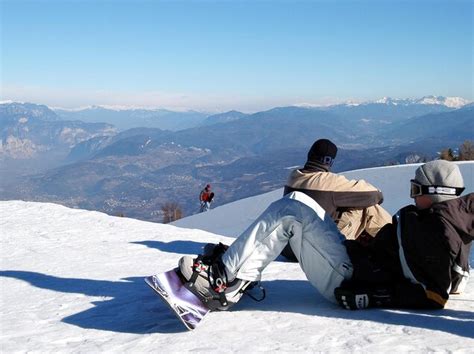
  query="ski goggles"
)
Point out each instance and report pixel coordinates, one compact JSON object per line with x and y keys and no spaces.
{"x":417,"y":189}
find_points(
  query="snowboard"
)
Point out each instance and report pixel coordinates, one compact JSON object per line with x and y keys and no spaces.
{"x":187,"y":307}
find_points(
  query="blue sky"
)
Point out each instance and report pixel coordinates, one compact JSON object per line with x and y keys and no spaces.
{"x":245,"y":55}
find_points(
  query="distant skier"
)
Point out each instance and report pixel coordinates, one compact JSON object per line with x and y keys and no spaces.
{"x":205,"y":198}
{"x":414,"y":262}
{"x":354,"y":205}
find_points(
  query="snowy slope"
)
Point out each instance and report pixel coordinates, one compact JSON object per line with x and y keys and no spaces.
{"x":394,"y":181}
{"x":71,"y":281}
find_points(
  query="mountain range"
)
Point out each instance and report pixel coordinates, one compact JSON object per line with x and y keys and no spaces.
{"x":135,"y":171}
{"x":387,"y":109}
{"x":124,"y":119}
{"x":452,"y":102}
{"x":33,"y":138}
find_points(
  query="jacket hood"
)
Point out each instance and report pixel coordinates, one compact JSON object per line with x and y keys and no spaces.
{"x":459,"y":213}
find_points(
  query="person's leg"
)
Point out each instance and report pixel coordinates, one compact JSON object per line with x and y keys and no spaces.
{"x":313,"y":236}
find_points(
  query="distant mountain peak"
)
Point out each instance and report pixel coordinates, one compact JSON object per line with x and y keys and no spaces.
{"x":451,"y":102}
{"x":31,"y":110}
{"x":118,"y":108}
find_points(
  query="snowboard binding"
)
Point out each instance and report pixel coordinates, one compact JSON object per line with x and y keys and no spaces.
{"x":209,"y":280}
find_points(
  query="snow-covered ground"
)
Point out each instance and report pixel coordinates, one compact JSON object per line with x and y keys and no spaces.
{"x":72,"y":281}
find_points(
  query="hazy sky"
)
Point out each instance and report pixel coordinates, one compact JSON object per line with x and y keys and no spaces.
{"x":245,"y":55}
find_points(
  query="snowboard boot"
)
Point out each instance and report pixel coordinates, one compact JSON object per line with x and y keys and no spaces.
{"x":209,"y":281}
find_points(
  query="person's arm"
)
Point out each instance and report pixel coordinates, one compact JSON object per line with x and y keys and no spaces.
{"x":357,"y":194}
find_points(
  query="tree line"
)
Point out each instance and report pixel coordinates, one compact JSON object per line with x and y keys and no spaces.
{"x":464,"y":153}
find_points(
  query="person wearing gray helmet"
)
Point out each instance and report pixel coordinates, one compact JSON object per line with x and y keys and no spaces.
{"x":414,"y":262}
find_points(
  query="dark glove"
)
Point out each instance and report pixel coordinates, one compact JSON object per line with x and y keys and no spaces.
{"x":353,"y":298}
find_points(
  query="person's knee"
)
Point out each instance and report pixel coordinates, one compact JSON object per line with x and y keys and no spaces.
{"x":307,"y":201}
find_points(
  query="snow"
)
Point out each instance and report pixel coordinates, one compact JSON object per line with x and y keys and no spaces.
{"x":72,"y":281}
{"x":451,"y":102}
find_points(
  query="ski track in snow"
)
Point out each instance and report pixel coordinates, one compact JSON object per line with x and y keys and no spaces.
{"x":72,"y":281}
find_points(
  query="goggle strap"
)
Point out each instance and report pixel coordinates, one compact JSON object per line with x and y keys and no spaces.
{"x":444,"y":190}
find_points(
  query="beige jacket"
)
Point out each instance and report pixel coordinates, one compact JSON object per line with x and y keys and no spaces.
{"x":353,"y":204}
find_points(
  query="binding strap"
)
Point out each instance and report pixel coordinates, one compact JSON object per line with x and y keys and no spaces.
{"x":198,"y":267}
{"x":220,"y":283}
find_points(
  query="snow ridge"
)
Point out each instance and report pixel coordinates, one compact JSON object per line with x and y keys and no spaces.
{"x":452,"y":102}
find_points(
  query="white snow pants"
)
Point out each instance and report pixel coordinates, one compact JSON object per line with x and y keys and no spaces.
{"x":205,"y":206}
{"x":314,"y":238}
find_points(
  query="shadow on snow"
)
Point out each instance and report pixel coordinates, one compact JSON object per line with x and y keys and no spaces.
{"x":183,"y":247}
{"x":130,"y":305}
{"x":306,"y":300}
{"x":134,"y":308}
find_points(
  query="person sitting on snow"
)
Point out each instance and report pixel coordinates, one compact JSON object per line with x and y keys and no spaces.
{"x":414,"y":262}
{"x":354,"y":205}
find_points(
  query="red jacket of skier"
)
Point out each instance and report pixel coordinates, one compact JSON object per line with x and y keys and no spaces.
{"x":205,"y":195}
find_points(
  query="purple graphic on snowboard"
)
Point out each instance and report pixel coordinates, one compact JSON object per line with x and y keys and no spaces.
{"x":187,"y":306}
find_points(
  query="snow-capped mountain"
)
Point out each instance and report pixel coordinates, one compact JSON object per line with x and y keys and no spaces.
{"x":72,"y":281}
{"x":451,"y":102}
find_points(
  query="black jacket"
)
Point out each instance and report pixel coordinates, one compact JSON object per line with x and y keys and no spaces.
{"x":422,"y":257}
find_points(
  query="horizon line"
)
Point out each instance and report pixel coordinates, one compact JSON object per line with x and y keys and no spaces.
{"x":453,"y":102}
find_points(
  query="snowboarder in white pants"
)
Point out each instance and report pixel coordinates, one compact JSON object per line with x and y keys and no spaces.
{"x":295,"y":219}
